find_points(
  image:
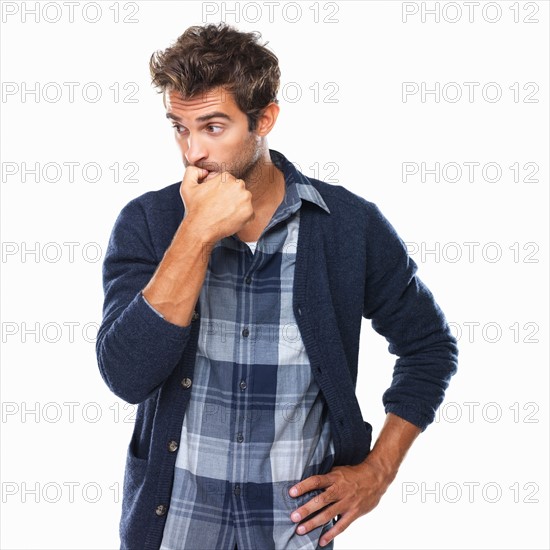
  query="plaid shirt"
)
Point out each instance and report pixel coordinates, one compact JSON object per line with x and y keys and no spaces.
{"x":257,"y":422}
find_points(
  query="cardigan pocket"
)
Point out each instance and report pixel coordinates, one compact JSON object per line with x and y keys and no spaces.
{"x":134,"y":473}
{"x":134,"y":478}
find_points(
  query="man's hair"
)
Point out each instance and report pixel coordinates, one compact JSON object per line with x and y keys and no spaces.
{"x":205,"y":57}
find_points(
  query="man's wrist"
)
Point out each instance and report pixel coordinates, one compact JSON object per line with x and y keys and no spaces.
{"x":202,"y":233}
{"x":395,"y":439}
{"x":385,"y":467}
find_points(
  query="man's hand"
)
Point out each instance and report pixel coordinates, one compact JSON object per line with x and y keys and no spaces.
{"x":350,"y":492}
{"x":220,"y":206}
{"x":353,"y":491}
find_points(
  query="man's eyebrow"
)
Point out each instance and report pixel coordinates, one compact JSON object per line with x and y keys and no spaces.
{"x":203,"y":118}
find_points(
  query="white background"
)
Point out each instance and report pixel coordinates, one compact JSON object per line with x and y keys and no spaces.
{"x":447,"y":492}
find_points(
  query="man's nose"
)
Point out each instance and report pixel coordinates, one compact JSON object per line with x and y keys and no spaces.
{"x":195,"y":150}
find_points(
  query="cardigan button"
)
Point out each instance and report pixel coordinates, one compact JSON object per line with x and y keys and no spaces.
{"x":173,"y":446}
{"x":195,"y":316}
{"x":186,"y":383}
{"x":160,"y":510}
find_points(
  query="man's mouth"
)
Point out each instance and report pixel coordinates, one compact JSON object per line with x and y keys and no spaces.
{"x":210,"y":175}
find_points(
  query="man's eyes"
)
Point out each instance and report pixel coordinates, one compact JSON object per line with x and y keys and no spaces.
{"x":211,"y":128}
{"x":217,"y":129}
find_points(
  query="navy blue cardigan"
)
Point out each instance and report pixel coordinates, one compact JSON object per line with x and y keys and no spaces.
{"x":350,"y":264}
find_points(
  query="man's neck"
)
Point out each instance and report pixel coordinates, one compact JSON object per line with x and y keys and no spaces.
{"x":267,"y":185}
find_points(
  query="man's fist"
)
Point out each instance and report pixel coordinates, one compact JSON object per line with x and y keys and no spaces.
{"x":220,"y":206}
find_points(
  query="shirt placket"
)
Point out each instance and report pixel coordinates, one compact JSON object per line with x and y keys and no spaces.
{"x":243,"y":381}
{"x":247,"y":338}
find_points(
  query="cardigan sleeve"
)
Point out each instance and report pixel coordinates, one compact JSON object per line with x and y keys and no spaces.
{"x":137,"y":349}
{"x":403,"y":310}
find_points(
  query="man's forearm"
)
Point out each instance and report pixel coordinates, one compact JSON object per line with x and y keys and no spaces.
{"x":175,"y":287}
{"x":395,"y":439}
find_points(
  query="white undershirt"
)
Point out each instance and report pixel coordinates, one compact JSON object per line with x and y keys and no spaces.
{"x":252,"y":245}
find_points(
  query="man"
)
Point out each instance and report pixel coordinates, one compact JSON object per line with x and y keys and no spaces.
{"x":233,"y":307}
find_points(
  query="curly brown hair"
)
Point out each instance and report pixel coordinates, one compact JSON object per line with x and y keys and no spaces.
{"x":210,"y":56}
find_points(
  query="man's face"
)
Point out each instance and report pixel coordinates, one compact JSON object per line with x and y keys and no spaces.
{"x":212,"y":133}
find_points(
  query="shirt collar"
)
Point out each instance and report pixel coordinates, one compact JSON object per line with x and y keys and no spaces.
{"x":298,"y":186}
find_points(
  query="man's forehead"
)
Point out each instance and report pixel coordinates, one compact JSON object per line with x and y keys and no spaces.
{"x":217,"y":98}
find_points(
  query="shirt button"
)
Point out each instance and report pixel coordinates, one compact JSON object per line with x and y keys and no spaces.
{"x":242,"y":385}
{"x":248,"y":280}
{"x":160,"y":510}
{"x":173,"y":446}
{"x":245,"y":332}
{"x":195,"y":316}
{"x":186,"y":383}
{"x":237,"y":490}
{"x":240,"y":437}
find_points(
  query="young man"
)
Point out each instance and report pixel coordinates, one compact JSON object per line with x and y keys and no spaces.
{"x":232,"y":314}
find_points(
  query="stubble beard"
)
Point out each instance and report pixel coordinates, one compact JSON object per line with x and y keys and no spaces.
{"x":248,"y":164}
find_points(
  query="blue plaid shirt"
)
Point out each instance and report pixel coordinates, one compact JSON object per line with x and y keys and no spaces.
{"x":257,"y":422}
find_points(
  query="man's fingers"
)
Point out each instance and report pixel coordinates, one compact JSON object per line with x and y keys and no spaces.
{"x":322,"y":517}
{"x":339,"y":527}
{"x":193,"y":174}
{"x":190,"y":179}
{"x":309,"y":484}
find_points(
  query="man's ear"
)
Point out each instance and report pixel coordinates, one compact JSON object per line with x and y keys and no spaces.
{"x":267,"y":119}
